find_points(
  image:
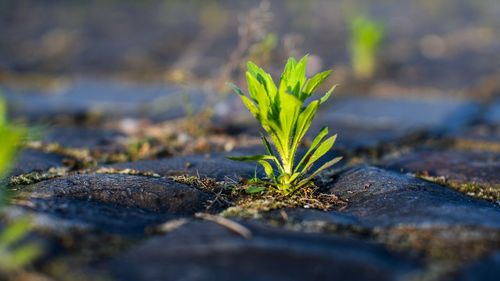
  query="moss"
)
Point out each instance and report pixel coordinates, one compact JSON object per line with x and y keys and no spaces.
{"x":34,"y":177}
{"x":481,"y":191}
{"x":107,"y":170}
{"x":253,"y":205}
{"x":481,"y":145}
{"x":78,"y":157}
{"x":240,"y":202}
{"x":488,"y":192}
{"x":444,"y":250}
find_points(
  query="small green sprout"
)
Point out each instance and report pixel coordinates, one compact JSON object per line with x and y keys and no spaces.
{"x":286,"y":117}
{"x":366,"y":36}
{"x":13,"y":254}
{"x":10,"y":137}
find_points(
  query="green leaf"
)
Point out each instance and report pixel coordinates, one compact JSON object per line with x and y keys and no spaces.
{"x":323,"y":148}
{"x":304,"y":121}
{"x":268,"y":169}
{"x":313,"y":83}
{"x":267,"y":79}
{"x":15,"y":231}
{"x":250,"y":106}
{"x":252,"y":158}
{"x":320,"y":169}
{"x":25,"y":254}
{"x":317,"y":140}
{"x":288,"y":117}
{"x":254,"y":189}
{"x":327,"y":95}
{"x":236,"y":89}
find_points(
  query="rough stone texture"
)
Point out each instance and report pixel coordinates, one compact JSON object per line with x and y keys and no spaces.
{"x":457,"y":167}
{"x":383,"y":198}
{"x":210,"y":165}
{"x":487,"y":269}
{"x":371,"y":121}
{"x":85,"y":97}
{"x":156,"y":194}
{"x":53,"y":213}
{"x":35,"y":161}
{"x":206,"y":251}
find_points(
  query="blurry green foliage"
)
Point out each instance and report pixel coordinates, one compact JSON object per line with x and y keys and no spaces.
{"x":14,"y":254}
{"x":10,"y":136}
{"x":365,"y":38}
{"x":286,"y":115}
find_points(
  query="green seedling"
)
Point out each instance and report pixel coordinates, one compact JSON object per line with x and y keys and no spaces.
{"x":366,"y":36}
{"x":13,"y":254}
{"x":286,"y":115}
{"x":10,"y":136}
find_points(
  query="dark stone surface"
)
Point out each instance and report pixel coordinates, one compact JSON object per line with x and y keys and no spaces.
{"x":83,"y":137}
{"x":108,"y":99}
{"x":492,"y":115}
{"x":382,"y":198}
{"x":207,"y":251}
{"x":487,"y":269}
{"x":372,"y":121}
{"x":97,"y":216}
{"x":209,"y":165}
{"x":459,"y":167}
{"x":480,"y":137}
{"x":35,"y":161}
{"x":155,"y":194}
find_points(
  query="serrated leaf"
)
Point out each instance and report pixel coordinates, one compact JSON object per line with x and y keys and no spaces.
{"x":322,"y":149}
{"x":319,"y":170}
{"x":266,"y":78}
{"x":250,"y":106}
{"x":313,"y":83}
{"x":317,"y":140}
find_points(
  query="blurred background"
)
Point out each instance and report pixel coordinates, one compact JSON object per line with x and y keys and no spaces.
{"x":82,"y":62}
{"x":446,"y":46}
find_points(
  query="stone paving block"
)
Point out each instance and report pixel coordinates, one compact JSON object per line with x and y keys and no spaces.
{"x":372,"y":121}
{"x":383,"y":198}
{"x":30,"y":161}
{"x":155,"y":194}
{"x":486,"y":269}
{"x":471,"y":172}
{"x":108,"y":99}
{"x":210,"y":165}
{"x":207,"y":251}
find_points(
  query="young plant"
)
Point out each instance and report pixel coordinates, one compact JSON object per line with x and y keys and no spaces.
{"x":13,"y":254}
{"x":286,"y":116}
{"x":366,"y":36}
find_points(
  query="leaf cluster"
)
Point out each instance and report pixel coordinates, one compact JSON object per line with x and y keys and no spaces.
{"x":286,"y":114}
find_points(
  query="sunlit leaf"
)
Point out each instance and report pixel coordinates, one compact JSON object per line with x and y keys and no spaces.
{"x":285,"y":115}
